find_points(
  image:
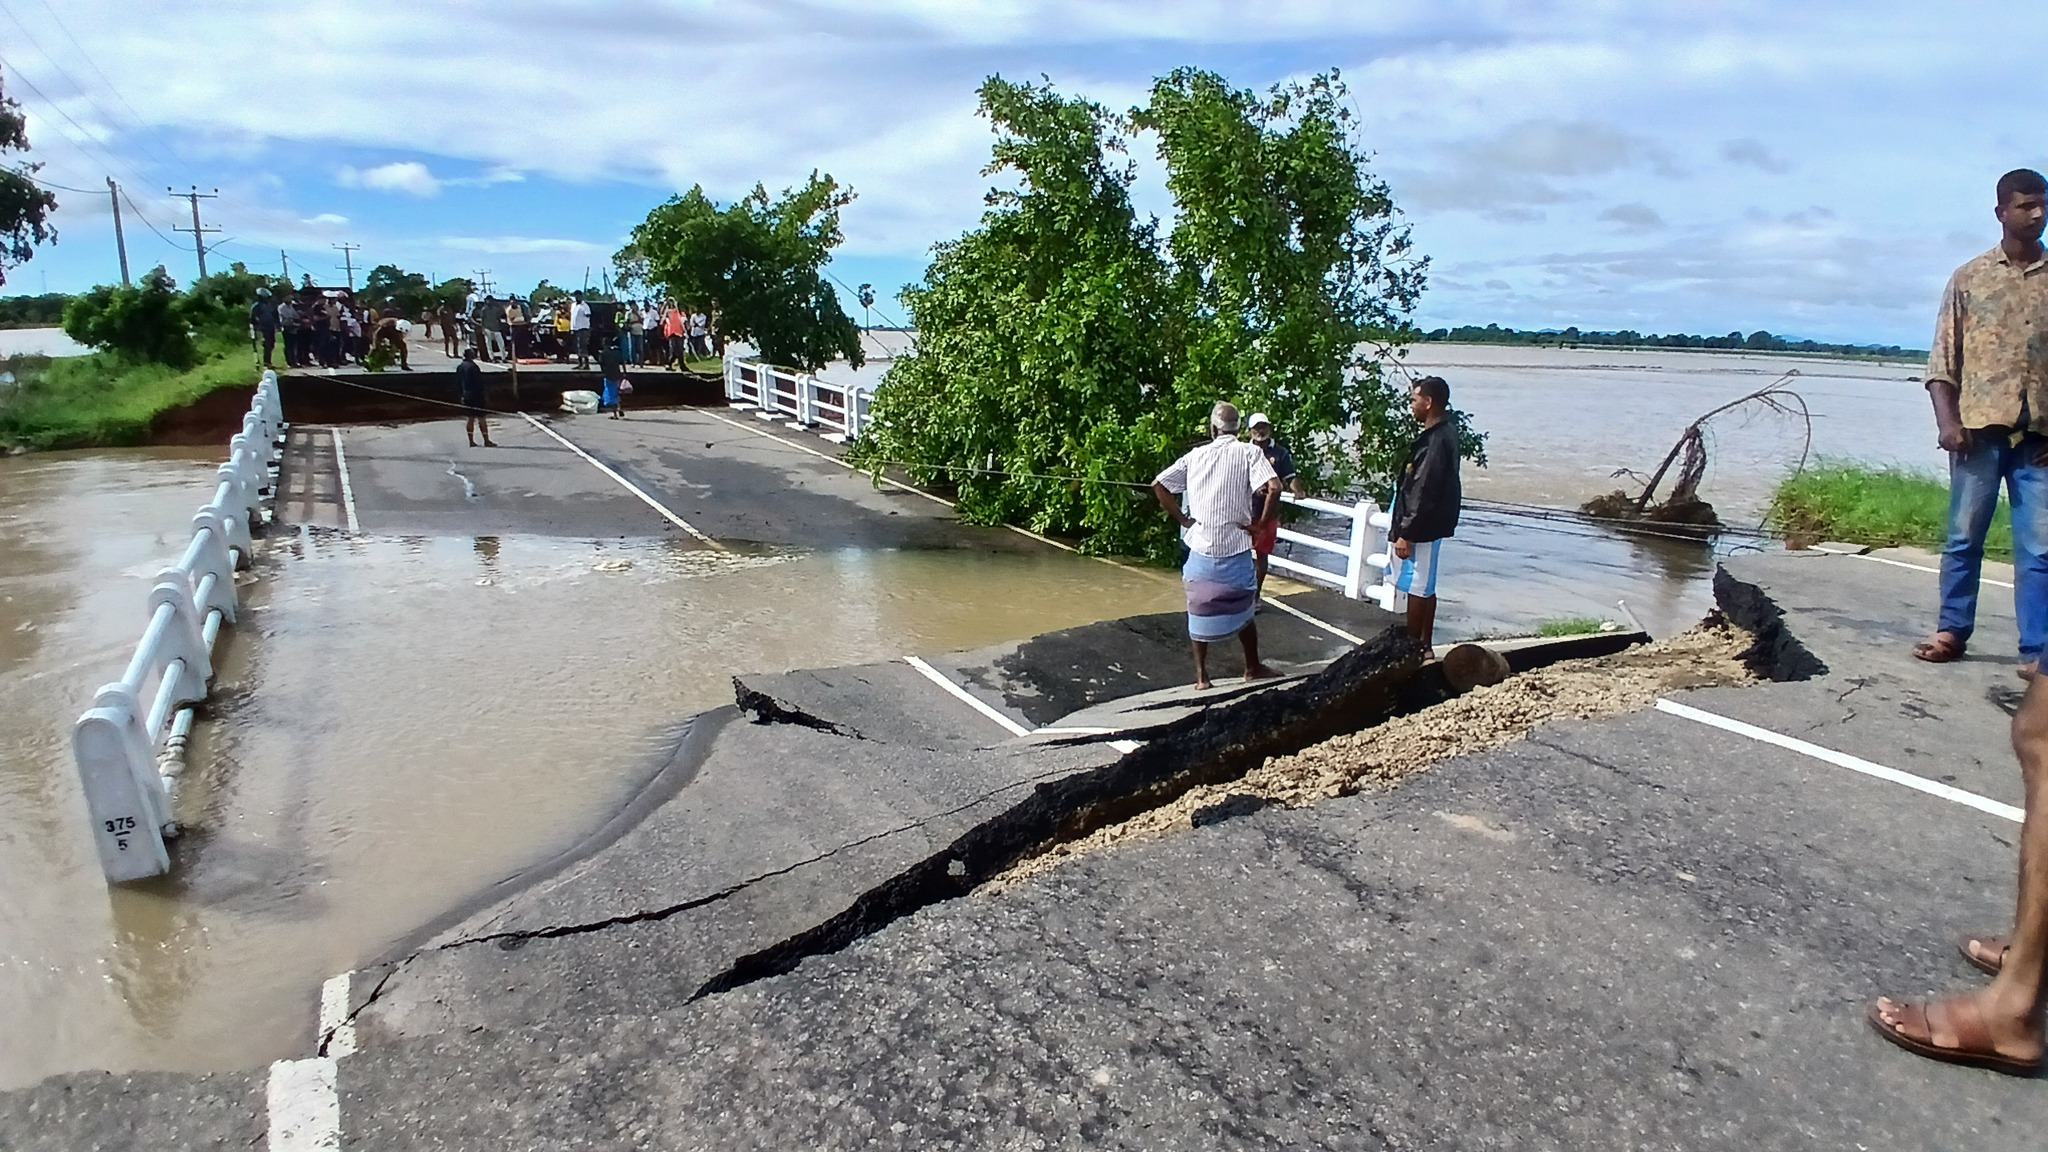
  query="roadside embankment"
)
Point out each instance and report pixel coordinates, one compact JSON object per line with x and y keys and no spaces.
{"x":1878,"y":506}
{"x":103,"y":401}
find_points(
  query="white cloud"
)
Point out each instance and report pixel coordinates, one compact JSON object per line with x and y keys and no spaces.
{"x":1753,"y":153}
{"x":1635,"y":217}
{"x":408,"y":176}
{"x":328,"y":219}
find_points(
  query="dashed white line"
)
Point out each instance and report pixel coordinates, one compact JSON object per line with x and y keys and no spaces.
{"x":337,"y":1032}
{"x":972,"y":701}
{"x":1843,"y":760}
{"x":1921,"y":568}
{"x":622,"y":482}
{"x":305,"y":1111}
{"x":348,"y":492}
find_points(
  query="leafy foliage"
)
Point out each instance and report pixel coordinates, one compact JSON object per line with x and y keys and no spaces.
{"x":758,"y":264}
{"x":1066,"y":352}
{"x":389,"y":288}
{"x":453,"y":292}
{"x":44,"y":311}
{"x":25,"y":207}
{"x":1572,"y":337}
{"x":149,"y":322}
{"x":220,"y":301}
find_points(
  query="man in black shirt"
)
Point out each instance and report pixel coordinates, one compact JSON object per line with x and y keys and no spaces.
{"x":1426,"y":504}
{"x":469,"y":380}
{"x":1266,"y":533}
{"x":263,"y":322}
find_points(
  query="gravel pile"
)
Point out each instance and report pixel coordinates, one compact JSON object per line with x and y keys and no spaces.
{"x":1481,"y":720}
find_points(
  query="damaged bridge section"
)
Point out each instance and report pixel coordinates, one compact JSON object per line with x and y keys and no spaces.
{"x":826,"y":805}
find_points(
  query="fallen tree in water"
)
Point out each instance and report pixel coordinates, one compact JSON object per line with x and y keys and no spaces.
{"x":1683,"y":506}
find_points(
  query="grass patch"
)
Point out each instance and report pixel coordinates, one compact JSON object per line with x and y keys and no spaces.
{"x":1569,"y":626}
{"x":102,"y":400}
{"x":1880,"y":507}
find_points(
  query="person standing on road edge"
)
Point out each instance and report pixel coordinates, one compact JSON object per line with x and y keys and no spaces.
{"x":1266,"y":533}
{"x":579,"y":330}
{"x":2002,"y":1026}
{"x":1987,"y":374}
{"x":1229,"y":487}
{"x":610,"y":372}
{"x":469,"y":381}
{"x":673,"y":325}
{"x":1426,"y":502}
{"x":263,"y":321}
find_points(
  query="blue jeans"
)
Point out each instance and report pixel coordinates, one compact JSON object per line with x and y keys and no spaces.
{"x":1973,"y":481}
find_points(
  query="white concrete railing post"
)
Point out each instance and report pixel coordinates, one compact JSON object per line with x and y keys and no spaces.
{"x":115,"y":742}
{"x":806,"y":403}
{"x":856,"y":396}
{"x":1355,"y":555}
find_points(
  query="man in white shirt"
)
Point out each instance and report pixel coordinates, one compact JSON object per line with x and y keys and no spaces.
{"x":579,"y":330}
{"x":1230,"y":486}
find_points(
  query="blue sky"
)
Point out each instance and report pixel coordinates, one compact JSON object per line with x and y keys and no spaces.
{"x":1813,"y":168}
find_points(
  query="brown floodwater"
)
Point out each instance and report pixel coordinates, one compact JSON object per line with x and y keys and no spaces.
{"x":398,"y":723}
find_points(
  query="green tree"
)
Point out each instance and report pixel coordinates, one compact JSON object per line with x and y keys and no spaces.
{"x":219,"y":302}
{"x":25,"y":206}
{"x":546,"y":293}
{"x":758,"y":264}
{"x":1045,"y":338}
{"x":452,"y":292}
{"x":1066,"y":352}
{"x":389,"y":288}
{"x":146,"y":322}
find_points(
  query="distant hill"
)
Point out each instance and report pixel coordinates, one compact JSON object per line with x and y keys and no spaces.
{"x":1758,"y":341}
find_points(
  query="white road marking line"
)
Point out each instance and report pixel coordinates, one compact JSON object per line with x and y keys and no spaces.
{"x":1922,"y":568}
{"x":1843,"y":760}
{"x":336,"y":1030}
{"x":622,"y":482}
{"x":1325,"y":625}
{"x":913,"y":489}
{"x":973,"y":701}
{"x":1124,"y":746}
{"x":305,"y":1112}
{"x":348,"y":492}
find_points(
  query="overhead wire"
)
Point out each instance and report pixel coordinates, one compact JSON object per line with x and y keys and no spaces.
{"x":134,"y":116}
{"x":86,"y":146}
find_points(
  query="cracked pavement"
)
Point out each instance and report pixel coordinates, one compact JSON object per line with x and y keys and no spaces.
{"x":1640,"y":932}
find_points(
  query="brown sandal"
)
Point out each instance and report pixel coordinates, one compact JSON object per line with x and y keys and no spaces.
{"x":1973,"y":1039}
{"x":1941,"y":648}
{"x":1993,"y":944}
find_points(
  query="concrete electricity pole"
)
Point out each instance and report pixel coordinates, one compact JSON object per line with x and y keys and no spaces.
{"x":198,"y":232}
{"x":348,"y":256}
{"x":286,"y":257}
{"x":120,"y":241}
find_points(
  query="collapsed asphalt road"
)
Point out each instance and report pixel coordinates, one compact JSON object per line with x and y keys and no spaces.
{"x":1639,"y":931}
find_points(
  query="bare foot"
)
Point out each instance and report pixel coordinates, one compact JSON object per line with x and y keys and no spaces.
{"x":1260,"y":672}
{"x":1203,"y":685}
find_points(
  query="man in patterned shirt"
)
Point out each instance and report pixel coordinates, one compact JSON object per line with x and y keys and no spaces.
{"x":1989,"y":380}
{"x":1988,"y":377}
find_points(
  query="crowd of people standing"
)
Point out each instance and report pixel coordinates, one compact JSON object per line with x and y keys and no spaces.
{"x":643,"y":333}
{"x":324,"y":328}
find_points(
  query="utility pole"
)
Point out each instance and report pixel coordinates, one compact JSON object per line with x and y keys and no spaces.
{"x":286,"y":257}
{"x":120,"y":241}
{"x":483,"y":281}
{"x":197,"y":230}
{"x":348,"y":256}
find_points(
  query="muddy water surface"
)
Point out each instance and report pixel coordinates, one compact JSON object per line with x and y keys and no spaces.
{"x":398,"y":723}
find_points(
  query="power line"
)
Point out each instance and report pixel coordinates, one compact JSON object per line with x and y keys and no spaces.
{"x":135,"y":116}
{"x":82,"y":130}
{"x":39,"y":181}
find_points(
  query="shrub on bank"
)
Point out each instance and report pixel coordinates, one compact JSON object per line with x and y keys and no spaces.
{"x":105,"y":400}
{"x":1881,"y":507}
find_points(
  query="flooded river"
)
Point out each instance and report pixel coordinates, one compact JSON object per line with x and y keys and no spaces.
{"x":400,"y":721}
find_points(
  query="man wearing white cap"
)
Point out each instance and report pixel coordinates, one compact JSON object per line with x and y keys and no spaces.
{"x":1266,"y":533}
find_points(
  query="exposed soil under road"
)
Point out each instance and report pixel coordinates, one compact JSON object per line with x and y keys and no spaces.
{"x":1710,"y":655}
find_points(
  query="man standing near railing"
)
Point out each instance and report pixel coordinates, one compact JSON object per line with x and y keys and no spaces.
{"x":1426,"y":502}
{"x":1229,"y":487}
{"x":1266,"y":533}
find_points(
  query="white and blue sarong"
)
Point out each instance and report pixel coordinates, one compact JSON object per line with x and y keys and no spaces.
{"x":1417,"y":576}
{"x":1223,"y":591}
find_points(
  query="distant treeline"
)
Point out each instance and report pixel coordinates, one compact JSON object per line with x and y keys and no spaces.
{"x":45,"y":311}
{"x":1758,"y":341}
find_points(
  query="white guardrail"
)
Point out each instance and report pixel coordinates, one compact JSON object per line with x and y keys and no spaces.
{"x":838,"y":412}
{"x":835,"y":411}
{"x":1365,"y":553}
{"x":129,"y":746}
